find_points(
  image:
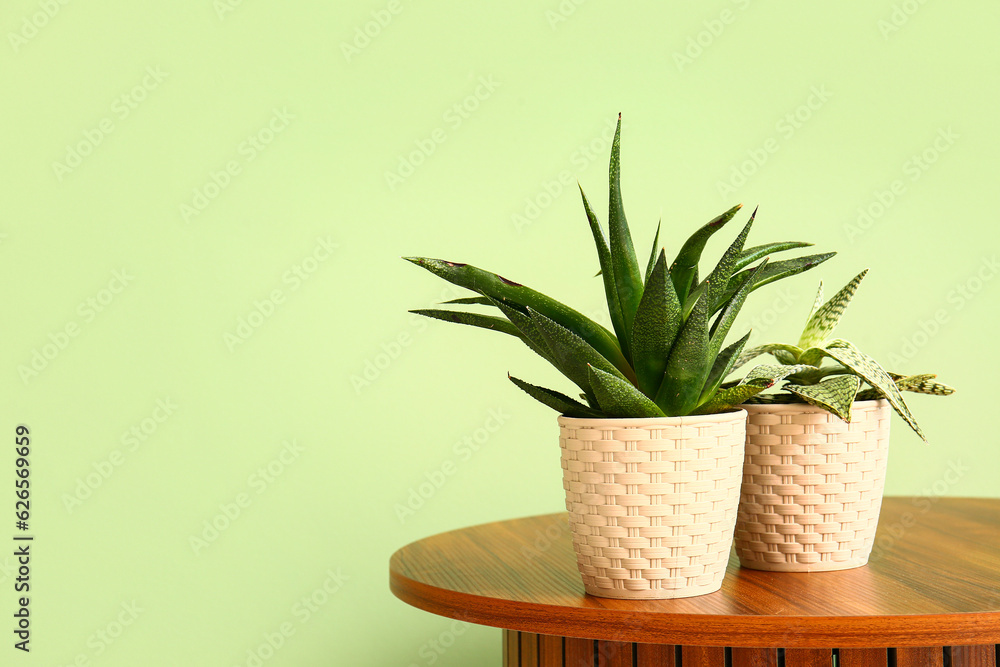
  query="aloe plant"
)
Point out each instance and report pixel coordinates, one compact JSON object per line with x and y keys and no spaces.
{"x":666,"y":356}
{"x":852,"y":375}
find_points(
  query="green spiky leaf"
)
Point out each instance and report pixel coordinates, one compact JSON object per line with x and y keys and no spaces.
{"x":628,"y":280}
{"x":756,"y":381}
{"x":825,"y":319}
{"x":719,"y":278}
{"x":572,"y":354}
{"x":720,"y":329}
{"x":619,"y":398}
{"x":653,"y":252}
{"x":727,"y":399}
{"x":688,"y":365}
{"x":777,"y":271}
{"x":685,"y":267}
{"x":519,"y":296}
{"x":472,"y":319}
{"x":835,"y":394}
{"x":530,"y":334}
{"x":751,"y":255}
{"x":476,"y":300}
{"x":608,"y":275}
{"x":656,"y":325}
{"x":559,"y":402}
{"x":723,"y":366}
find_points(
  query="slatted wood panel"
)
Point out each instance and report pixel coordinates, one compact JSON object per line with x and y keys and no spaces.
{"x":755,"y":657}
{"x":526,"y":649}
{"x":655,"y":655}
{"x":550,"y":651}
{"x":864,"y":657}
{"x":579,"y":652}
{"x":974,"y":656}
{"x":529,"y":649}
{"x":920,"y":657}
{"x":511,"y":655}
{"x":614,"y":654}
{"x":703,"y":656}
{"x":809,"y":657}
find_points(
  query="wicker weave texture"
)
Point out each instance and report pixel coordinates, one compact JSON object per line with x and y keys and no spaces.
{"x":652,"y":502}
{"x":812,"y":487}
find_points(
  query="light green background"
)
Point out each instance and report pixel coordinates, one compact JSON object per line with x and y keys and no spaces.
{"x":839,"y":97}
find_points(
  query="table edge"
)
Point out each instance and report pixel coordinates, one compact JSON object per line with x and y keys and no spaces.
{"x":608,"y":624}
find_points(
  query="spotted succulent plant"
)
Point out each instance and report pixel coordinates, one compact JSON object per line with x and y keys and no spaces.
{"x":851,"y":374}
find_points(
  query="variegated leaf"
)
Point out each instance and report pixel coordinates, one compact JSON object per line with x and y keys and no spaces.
{"x":836,"y":394}
{"x":769,"y":374}
{"x":813,"y":356}
{"x":924,"y":384}
{"x":785,"y":357}
{"x":872,"y":373}
{"x":817,"y":302}
{"x":825,"y":319}
{"x":812,"y":375}
{"x":770,"y":348}
{"x":775,"y":398}
{"x":756,"y":381}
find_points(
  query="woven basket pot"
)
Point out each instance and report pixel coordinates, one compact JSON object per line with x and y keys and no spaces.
{"x":812,"y":487}
{"x":652,"y":502}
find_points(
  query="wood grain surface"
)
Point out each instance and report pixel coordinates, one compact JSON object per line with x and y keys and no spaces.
{"x":933,"y":580}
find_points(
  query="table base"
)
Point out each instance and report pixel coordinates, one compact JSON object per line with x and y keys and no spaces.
{"x":526,"y":649}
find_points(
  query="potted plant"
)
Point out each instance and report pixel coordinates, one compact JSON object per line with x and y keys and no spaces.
{"x":652,"y":454}
{"x":817,"y":451}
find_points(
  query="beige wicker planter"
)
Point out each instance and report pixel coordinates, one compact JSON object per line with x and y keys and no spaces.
{"x":652,"y":502}
{"x":812,"y":487}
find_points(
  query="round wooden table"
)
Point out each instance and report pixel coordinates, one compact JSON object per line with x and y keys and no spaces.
{"x":930,"y":595}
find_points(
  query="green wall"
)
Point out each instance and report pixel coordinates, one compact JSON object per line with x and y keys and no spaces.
{"x":203,"y":209}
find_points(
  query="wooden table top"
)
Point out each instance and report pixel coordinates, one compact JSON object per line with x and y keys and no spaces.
{"x":933,"y":580}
